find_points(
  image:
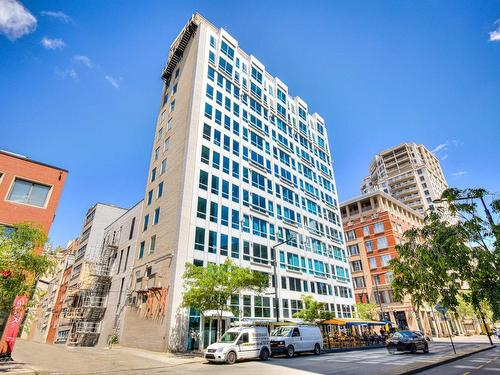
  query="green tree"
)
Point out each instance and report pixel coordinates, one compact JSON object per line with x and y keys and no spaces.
{"x":366,"y":311}
{"x":210,"y":288}
{"x":447,"y":256}
{"x":20,"y":263}
{"x":312,"y":310}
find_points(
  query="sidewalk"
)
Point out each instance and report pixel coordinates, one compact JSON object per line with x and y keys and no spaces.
{"x":56,"y":359}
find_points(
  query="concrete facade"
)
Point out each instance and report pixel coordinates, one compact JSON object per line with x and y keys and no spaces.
{"x":226,"y":123}
{"x":408,"y":172}
{"x":121,"y":262}
{"x":87,"y":254}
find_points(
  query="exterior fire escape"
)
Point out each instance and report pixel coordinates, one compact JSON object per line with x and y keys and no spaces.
{"x":89,"y":300}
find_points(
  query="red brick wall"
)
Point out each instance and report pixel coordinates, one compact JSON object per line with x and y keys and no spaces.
{"x":11,"y":212}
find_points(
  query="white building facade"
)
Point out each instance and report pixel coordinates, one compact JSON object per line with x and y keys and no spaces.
{"x":238,"y":164}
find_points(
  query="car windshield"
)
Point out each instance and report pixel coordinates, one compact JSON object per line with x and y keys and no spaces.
{"x":407,"y":333}
{"x":229,"y":337}
{"x":281,"y":331}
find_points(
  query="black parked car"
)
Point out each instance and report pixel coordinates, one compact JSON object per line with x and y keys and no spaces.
{"x":407,"y":341}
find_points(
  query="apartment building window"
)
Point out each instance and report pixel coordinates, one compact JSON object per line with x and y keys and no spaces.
{"x":126,"y":259}
{"x":150,"y":197}
{"x":212,"y":242}
{"x":260,"y":254}
{"x":262,"y":307}
{"x":378,"y":228}
{"x":199,"y":239}
{"x":160,"y":190}
{"x":141,"y":250}
{"x":120,"y":263}
{"x":369,"y":246}
{"x":235,"y":247}
{"x":295,"y":306}
{"x":224,"y":245}
{"x":172,"y":106}
{"x":156,"y":216}
{"x":152,"y":244}
{"x":203,"y":184}
{"x":202,"y":208}
{"x":385,"y":260}
{"x":208,"y":110}
{"x":353,"y":249}
{"x":356,"y":266}
{"x":388,"y":278}
{"x":157,"y":153}
{"x":207,"y":132}
{"x":166,"y":144}
{"x":215,"y":185}
{"x":169,"y":124}
{"x":373,"y":262}
{"x":295,"y":284}
{"x":146,"y":222}
{"x":351,"y":235}
{"x":28,"y":192}
{"x":366,"y":230}
{"x":247,"y":305}
{"x":163,"y":168}
{"x":153,"y":175}
{"x":132,"y":225}
{"x":214,"y":208}
{"x":224,"y":213}
{"x":382,"y":243}
{"x":359,"y":282}
{"x":205,"y":155}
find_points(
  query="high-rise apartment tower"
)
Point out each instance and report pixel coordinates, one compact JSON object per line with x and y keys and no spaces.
{"x":410,"y":173}
{"x":237,"y":165}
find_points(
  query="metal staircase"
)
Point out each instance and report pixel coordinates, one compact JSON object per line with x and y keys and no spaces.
{"x":89,"y":301}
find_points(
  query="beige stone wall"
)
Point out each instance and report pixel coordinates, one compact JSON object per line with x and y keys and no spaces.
{"x":168,"y":260}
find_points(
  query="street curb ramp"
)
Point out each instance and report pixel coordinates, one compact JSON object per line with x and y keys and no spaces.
{"x":445,"y":361}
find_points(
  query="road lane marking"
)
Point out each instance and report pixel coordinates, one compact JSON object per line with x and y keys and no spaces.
{"x":464,"y":366}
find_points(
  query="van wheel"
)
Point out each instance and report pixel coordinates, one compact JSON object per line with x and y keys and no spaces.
{"x":317,"y":349}
{"x":413,"y":348}
{"x":290,"y":351}
{"x":230,"y":358}
{"x":264,"y":354}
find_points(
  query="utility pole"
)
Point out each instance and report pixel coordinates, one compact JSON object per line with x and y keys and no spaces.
{"x":275,"y":270}
{"x":378,"y":298}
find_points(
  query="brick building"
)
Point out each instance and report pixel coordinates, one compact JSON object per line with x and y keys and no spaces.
{"x":374,"y":224}
{"x":29,"y":191}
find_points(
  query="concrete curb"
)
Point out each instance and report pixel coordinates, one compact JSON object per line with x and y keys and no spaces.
{"x":445,"y":361}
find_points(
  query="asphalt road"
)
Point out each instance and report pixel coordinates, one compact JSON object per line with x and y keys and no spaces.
{"x":366,"y":362}
{"x":484,"y":363}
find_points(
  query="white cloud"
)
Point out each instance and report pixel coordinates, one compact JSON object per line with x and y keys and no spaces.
{"x":58,"y":15}
{"x":85,"y":60}
{"x":440,"y":147}
{"x":495,"y":34}
{"x":48,"y":43}
{"x":459,"y":173}
{"x":15,"y":19}
{"x":115,"y":82}
{"x":68,"y":73}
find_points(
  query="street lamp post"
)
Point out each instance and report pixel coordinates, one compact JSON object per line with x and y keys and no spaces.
{"x":378,"y":297}
{"x":275,"y":269}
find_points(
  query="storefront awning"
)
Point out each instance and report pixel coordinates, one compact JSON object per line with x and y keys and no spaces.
{"x":354,"y":322}
{"x":215,"y":314}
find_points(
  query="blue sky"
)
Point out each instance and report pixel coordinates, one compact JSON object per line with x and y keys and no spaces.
{"x":80,"y":84}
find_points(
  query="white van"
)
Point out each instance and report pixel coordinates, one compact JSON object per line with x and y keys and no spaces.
{"x":240,"y":343}
{"x":294,"y":339}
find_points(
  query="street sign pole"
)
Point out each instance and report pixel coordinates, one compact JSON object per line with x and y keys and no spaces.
{"x":443,"y":310}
